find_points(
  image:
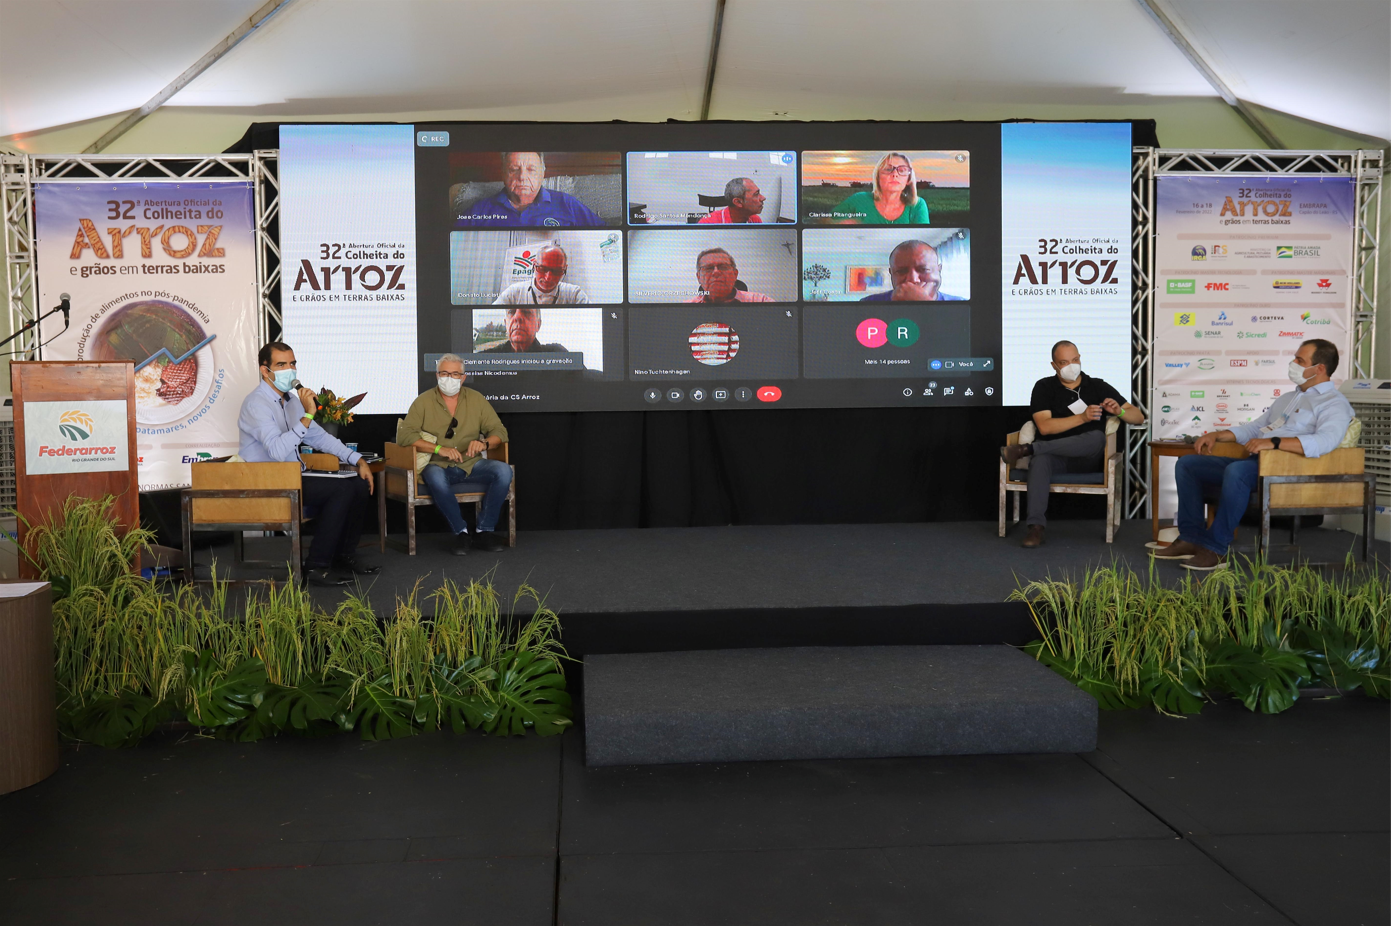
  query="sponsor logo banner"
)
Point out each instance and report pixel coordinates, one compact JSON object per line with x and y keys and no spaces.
{"x":75,"y":437}
{"x":1250,"y":269}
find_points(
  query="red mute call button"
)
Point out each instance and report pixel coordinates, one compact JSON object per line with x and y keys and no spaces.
{"x":769,"y":393}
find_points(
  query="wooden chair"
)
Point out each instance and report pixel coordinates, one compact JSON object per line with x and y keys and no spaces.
{"x":1332,"y":484}
{"x":400,"y":483}
{"x":1105,"y":483}
{"x":241,"y":497}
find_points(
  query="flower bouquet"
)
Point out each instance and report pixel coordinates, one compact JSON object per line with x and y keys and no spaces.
{"x":334,"y":410}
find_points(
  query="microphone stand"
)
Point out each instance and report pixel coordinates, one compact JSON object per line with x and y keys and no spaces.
{"x":35,"y":323}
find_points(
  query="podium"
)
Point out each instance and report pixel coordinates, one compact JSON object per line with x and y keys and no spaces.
{"x":74,"y":436}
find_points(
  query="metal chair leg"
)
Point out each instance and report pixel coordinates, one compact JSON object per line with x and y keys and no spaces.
{"x":187,"y":530}
{"x":1265,"y":538}
{"x":382,"y":512}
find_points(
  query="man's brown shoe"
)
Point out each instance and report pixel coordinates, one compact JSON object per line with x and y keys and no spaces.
{"x":1181,"y":549}
{"x":1206,"y":561}
{"x":1013,"y":453}
{"x":1034,"y":536}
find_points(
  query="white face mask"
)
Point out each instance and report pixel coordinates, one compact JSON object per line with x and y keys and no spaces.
{"x":448,"y":386}
{"x":1296,"y":372}
{"x":1070,"y":372}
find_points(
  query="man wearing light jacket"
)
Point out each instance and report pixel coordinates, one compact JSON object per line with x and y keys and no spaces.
{"x":1309,"y":421}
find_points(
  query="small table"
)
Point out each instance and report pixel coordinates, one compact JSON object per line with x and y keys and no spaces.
{"x":1176,"y":448}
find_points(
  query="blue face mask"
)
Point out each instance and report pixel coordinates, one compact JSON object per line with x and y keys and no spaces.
{"x":284,"y":379}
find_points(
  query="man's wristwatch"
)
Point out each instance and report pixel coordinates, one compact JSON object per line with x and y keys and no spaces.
{"x":1276,"y":443}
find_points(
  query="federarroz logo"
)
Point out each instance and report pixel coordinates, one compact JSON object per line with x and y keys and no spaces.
{"x":75,"y":426}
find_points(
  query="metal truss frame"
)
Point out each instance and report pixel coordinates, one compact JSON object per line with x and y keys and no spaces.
{"x":1136,"y":468}
{"x":1366,"y":167}
{"x":266,"y":174}
{"x":19,"y":173}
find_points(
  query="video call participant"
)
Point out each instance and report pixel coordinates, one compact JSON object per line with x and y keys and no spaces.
{"x":523,"y":324}
{"x":744,"y":203}
{"x":275,"y":420}
{"x":895,"y":200}
{"x":1068,"y":410}
{"x":524,"y":201}
{"x":463,"y":425}
{"x":717,"y":275}
{"x":1309,"y":421}
{"x":546,"y":286}
{"x":915,"y":272}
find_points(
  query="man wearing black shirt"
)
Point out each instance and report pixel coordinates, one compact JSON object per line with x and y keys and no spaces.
{"x":1068,"y":410}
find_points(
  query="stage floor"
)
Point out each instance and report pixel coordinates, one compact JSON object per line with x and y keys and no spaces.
{"x":852,"y":566}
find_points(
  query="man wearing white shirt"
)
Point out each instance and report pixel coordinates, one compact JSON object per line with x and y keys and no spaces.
{"x":1309,"y":421}
{"x":546,"y":286}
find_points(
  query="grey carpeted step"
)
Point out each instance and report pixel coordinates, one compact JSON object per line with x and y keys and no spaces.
{"x":818,"y":702}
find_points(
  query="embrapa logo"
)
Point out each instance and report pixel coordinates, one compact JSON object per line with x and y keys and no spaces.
{"x":76,"y":425}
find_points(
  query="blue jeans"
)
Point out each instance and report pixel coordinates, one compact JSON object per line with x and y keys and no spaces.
{"x":492,"y":477}
{"x":1236,"y":479}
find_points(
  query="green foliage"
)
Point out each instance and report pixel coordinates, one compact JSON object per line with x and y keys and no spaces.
{"x":131,"y":655}
{"x":1254,"y":631}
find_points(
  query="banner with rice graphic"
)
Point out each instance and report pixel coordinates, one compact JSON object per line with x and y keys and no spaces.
{"x":162,"y":274}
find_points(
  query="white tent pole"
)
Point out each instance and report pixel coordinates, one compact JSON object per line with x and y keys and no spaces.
{"x":271,"y":8}
{"x":1245,"y":112}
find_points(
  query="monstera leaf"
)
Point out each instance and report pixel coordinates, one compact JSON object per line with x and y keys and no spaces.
{"x":1174,"y":689}
{"x":218,"y":698}
{"x":453,"y":699}
{"x":529,"y":694}
{"x":115,"y":720}
{"x":1338,"y":660}
{"x":309,"y":707}
{"x":377,"y":712}
{"x":1268,"y":679}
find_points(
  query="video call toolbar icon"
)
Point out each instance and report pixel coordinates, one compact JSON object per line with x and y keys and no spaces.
{"x":770,"y":393}
{"x":697,"y":395}
{"x":744,"y":394}
{"x":652,"y":395}
{"x":674,"y":395}
{"x":720,"y":395}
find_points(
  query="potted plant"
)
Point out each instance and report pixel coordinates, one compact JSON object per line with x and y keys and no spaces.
{"x":334,"y":411}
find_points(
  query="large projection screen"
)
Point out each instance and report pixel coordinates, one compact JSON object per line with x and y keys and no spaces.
{"x":729,"y":266}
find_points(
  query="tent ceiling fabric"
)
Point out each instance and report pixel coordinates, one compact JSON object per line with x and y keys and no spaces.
{"x":77,"y":60}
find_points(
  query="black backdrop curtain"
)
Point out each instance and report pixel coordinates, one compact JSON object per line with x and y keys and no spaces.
{"x":762,"y":466}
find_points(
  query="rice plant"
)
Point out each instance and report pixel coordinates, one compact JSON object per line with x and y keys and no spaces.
{"x":1257,"y":631}
{"x":130,"y":654}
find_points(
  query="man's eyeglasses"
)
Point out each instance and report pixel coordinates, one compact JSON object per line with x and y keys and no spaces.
{"x":900,"y":170}
{"x":548,"y":271}
{"x":449,"y":375}
{"x":717,"y":268}
{"x":450,"y":432}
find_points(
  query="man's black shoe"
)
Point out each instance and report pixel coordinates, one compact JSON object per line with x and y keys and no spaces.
{"x":460,"y":546}
{"x":487,"y":540}
{"x":356,"y":566}
{"x":325,"y":577}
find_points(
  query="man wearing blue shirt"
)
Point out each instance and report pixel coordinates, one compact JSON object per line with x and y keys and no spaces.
{"x":524,"y":202}
{"x":276,"y":419}
{"x":1310,"y":421}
